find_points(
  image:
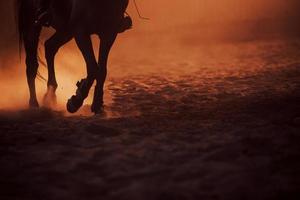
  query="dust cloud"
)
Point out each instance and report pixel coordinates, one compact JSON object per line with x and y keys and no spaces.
{"x":174,"y":31}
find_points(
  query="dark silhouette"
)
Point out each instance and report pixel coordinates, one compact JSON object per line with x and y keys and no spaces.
{"x":78,"y":19}
{"x":43,"y":15}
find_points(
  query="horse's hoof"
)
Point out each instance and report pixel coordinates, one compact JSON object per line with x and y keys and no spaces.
{"x":33,"y":104}
{"x":50,"y":100}
{"x":97,"y":109}
{"x":74,"y":104}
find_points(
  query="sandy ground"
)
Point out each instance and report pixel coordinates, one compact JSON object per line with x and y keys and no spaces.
{"x":223,"y":127}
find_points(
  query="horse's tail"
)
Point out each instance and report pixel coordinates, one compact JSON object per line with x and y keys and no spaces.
{"x":19,"y":22}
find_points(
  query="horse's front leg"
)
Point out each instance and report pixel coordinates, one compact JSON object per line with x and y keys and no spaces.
{"x":52,"y":45}
{"x":105,"y":46}
{"x":85,"y":45}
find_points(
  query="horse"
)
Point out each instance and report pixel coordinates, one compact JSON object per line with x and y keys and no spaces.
{"x":77,"y":19}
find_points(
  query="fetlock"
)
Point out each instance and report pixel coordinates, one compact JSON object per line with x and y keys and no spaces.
{"x":98,"y":104}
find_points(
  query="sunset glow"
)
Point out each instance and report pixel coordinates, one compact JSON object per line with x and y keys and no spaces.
{"x":171,"y":29}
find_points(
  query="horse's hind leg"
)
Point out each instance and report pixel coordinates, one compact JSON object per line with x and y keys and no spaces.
{"x":105,"y":46}
{"x":31,"y":40}
{"x":85,"y":45}
{"x":52,"y":45}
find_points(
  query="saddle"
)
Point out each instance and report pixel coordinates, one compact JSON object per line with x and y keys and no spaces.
{"x":44,"y":18}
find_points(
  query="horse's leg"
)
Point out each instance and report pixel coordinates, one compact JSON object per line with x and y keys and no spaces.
{"x":105,"y":46}
{"x":85,"y":45}
{"x":31,"y":41}
{"x":52,"y":45}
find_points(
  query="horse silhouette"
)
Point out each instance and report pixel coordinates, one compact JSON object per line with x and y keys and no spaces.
{"x":72,"y":19}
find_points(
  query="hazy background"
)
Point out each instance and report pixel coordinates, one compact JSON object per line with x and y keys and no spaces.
{"x":174,"y":25}
{"x":195,"y":19}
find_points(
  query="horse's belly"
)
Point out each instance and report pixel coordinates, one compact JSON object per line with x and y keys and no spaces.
{"x":89,"y":15}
